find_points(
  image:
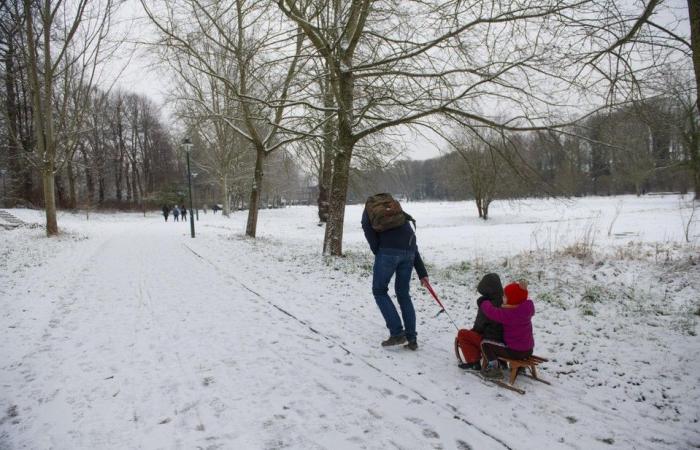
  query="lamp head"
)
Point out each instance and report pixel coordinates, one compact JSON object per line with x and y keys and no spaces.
{"x":187,"y":143}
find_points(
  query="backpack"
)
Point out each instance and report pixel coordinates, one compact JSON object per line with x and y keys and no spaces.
{"x":385,"y":212}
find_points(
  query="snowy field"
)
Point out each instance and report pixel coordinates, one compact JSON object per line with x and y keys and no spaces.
{"x":125,"y":333}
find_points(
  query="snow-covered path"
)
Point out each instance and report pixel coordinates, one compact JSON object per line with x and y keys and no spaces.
{"x":149,"y":344}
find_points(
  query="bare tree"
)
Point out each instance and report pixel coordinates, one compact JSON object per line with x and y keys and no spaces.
{"x":485,"y":168}
{"x":262,"y":78}
{"x":64,"y":41}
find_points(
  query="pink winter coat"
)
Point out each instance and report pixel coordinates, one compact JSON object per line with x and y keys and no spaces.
{"x":517,"y":324}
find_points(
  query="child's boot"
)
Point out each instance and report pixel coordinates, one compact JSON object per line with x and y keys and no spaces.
{"x":492,"y":370}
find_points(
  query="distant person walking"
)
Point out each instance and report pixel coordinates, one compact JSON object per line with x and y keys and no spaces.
{"x":176,"y":213}
{"x":393,"y":242}
{"x":184,"y":213}
{"x":166,"y":212}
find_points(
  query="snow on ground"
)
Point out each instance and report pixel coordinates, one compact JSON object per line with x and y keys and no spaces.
{"x":126,"y":333}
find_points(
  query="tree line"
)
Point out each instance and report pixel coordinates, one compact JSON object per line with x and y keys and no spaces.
{"x":634,"y":149}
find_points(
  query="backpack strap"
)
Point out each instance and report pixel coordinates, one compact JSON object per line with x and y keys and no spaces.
{"x":410,"y":219}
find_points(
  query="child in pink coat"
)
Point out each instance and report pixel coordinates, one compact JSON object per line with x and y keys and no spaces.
{"x":516,"y":317}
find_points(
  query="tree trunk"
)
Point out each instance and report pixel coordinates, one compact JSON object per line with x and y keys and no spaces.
{"x":224,"y":196}
{"x":326,"y":178}
{"x":127,"y":180}
{"x":485,"y":209}
{"x":120,"y":142}
{"x":27,"y":137}
{"x":252,"y":225}
{"x":50,"y":201}
{"x":478,"y":207}
{"x":101,"y":188}
{"x":694,"y":16}
{"x":72,"y":196}
{"x":695,"y":159}
{"x":89,"y":182}
{"x":60,"y":191}
{"x":42,"y":111}
{"x":138,"y":191}
{"x":333,"y":239}
{"x":118,"y":181}
{"x":13,"y":144}
{"x":344,"y":82}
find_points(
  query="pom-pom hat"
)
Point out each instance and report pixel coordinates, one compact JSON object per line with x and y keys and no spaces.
{"x":516,"y":293}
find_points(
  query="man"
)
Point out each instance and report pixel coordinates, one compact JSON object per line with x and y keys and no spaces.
{"x":395,"y":253}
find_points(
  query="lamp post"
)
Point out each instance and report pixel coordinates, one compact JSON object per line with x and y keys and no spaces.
{"x":188,"y":149}
{"x":196,"y":210}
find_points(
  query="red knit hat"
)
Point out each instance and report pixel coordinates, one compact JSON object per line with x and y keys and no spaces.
{"x":516,"y":293}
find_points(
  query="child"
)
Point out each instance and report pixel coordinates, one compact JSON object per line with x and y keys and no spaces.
{"x":484,"y":329}
{"x":516,"y":317}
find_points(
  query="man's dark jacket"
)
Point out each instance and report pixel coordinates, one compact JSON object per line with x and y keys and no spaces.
{"x":402,"y":238}
{"x":491,"y":289}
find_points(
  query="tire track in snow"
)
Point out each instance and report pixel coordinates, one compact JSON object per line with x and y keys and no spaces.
{"x":452,"y":410}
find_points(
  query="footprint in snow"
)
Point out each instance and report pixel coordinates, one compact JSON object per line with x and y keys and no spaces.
{"x":429,"y":433}
{"x":461,"y":445}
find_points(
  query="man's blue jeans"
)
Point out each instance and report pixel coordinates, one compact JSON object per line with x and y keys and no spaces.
{"x":388,"y":262}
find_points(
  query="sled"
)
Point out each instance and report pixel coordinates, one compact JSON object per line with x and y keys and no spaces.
{"x":516,"y":366}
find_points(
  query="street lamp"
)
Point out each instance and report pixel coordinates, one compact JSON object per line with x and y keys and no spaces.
{"x":188,"y":149}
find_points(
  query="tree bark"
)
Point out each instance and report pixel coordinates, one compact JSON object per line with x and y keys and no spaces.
{"x":333,"y":239}
{"x":344,"y":83}
{"x":694,"y":16}
{"x":252,"y":225}
{"x":50,"y":199}
{"x":326,"y":178}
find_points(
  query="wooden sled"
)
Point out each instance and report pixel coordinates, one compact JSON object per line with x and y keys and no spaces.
{"x":516,"y":366}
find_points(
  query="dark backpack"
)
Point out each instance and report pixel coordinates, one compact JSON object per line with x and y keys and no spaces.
{"x":385,"y":212}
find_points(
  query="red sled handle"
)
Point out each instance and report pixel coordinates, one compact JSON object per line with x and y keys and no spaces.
{"x":432,"y":292}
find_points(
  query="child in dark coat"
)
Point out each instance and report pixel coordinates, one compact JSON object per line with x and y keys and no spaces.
{"x":484,"y":329}
{"x":516,"y":317}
